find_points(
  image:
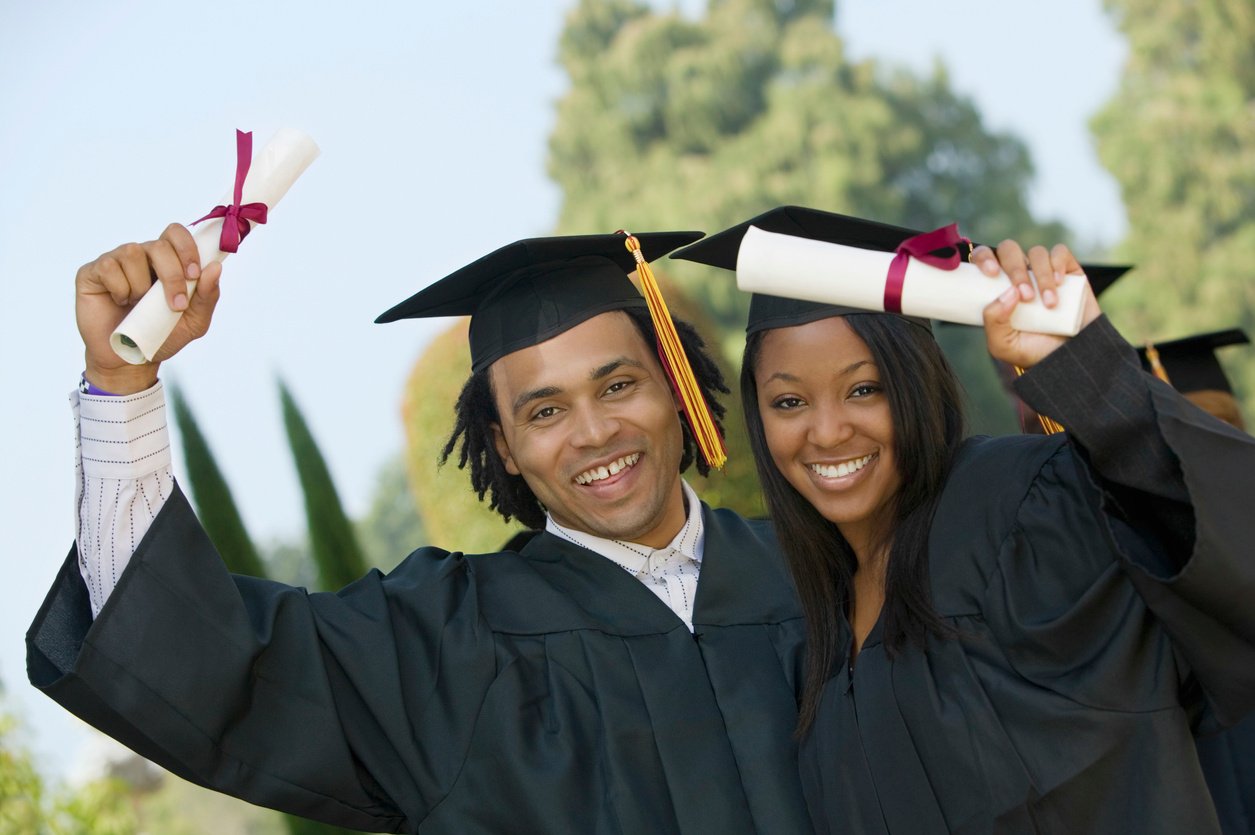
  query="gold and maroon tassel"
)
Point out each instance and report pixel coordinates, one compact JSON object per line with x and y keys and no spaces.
{"x":676,"y":364}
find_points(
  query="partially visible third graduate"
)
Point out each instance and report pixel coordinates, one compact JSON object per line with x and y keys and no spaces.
{"x":1191,"y":366}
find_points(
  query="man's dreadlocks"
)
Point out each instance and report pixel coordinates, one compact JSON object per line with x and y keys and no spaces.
{"x":508,"y":494}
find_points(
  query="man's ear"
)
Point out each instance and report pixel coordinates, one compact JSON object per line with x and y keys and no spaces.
{"x":503,"y":449}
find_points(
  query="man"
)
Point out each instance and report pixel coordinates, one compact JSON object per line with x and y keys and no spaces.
{"x":1190,"y":365}
{"x":587,"y":683}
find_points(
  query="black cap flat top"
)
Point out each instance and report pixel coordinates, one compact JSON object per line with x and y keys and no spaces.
{"x":1191,"y":362}
{"x":534,"y":289}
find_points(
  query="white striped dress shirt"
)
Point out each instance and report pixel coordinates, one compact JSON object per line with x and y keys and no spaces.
{"x":670,"y":572}
{"x":124,"y":478}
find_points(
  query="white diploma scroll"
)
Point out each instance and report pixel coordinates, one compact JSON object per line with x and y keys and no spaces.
{"x":273,"y":171}
{"x":801,"y":268}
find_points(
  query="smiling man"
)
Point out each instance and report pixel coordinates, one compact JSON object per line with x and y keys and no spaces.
{"x":631,"y":667}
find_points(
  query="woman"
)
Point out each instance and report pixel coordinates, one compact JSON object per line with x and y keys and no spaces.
{"x":1005,"y":634}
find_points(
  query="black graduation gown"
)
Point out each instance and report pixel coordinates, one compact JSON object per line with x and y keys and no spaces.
{"x":1096,"y":624}
{"x":545,"y":691}
{"x":1228,"y":760}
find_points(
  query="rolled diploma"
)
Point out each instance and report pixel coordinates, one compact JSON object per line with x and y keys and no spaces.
{"x":273,"y":171}
{"x":800,"y":268}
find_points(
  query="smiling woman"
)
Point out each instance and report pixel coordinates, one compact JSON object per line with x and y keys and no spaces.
{"x":829,"y":430}
{"x":1008,"y":634}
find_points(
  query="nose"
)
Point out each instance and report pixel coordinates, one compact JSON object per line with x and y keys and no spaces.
{"x":593,"y":426}
{"x":829,"y":426}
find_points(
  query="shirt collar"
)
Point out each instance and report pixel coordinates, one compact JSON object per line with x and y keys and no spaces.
{"x":690,"y":542}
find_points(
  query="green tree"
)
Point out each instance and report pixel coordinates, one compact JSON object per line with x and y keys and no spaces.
{"x":452,"y":515}
{"x":391,"y":527}
{"x":1179,"y":137}
{"x":671,"y":122}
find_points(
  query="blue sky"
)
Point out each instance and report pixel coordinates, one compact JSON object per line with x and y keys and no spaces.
{"x":117,"y":117}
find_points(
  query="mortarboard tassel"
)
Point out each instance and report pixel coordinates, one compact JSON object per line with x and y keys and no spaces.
{"x":676,"y":363}
{"x":1156,"y":367}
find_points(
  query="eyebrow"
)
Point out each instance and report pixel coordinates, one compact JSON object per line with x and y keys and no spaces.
{"x":612,"y":366}
{"x":789,"y":378}
{"x":598,"y":373}
{"x":535,"y":394}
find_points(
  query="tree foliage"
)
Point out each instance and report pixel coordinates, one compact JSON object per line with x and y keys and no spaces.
{"x":675,"y":123}
{"x":1179,"y":137}
{"x":453,"y":517}
{"x":28,"y":803}
{"x":391,"y":527}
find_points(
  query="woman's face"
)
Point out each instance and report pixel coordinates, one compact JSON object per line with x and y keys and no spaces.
{"x":828,"y":425}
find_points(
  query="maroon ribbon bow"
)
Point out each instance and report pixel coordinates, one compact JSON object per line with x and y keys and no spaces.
{"x":922,"y":247}
{"x":238,"y":220}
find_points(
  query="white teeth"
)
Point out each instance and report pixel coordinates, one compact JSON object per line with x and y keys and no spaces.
{"x":843,"y":469}
{"x":613,"y":468}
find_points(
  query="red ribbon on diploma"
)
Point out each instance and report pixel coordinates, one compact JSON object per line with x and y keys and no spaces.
{"x":922,"y":248}
{"x":238,"y":220}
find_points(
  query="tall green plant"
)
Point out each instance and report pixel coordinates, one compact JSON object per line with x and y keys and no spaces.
{"x":332,"y":543}
{"x":215,"y":505}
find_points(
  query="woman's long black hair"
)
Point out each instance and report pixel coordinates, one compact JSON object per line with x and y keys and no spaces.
{"x":926,"y":407}
{"x":509,"y":494}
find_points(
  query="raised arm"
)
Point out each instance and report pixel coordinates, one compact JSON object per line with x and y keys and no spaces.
{"x":1176,"y":483}
{"x":124,"y":475}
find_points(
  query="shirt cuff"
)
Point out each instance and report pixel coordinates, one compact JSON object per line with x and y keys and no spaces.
{"x":125,"y":436}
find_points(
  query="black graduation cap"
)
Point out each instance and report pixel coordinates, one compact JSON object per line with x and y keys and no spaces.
{"x":1191,"y":363}
{"x":534,"y":289}
{"x":721,"y":249}
{"x":1102,"y":276}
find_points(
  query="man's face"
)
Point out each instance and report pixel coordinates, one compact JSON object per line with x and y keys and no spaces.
{"x":588,"y":420}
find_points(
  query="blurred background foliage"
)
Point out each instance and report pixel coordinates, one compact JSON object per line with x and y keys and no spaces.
{"x":1179,"y":137}
{"x":674,"y":122}
{"x":678,"y":123}
{"x":29,"y":803}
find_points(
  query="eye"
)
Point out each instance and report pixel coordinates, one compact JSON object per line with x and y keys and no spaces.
{"x":618,"y":386}
{"x":787,"y":403}
{"x":544,"y":413}
{"x":865,"y":390}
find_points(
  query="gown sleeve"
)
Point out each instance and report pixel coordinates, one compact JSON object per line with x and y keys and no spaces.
{"x":296,"y":701}
{"x":1174,"y":488}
